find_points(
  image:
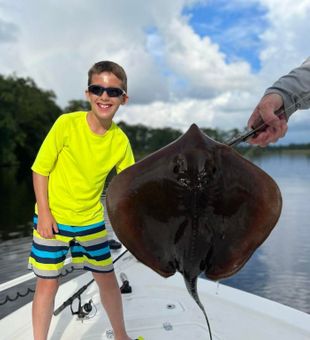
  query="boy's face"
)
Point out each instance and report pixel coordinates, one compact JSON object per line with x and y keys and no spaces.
{"x":103,"y":106}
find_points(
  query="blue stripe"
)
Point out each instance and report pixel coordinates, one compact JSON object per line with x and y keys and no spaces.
{"x":49,"y":248}
{"x":47,"y":260}
{"x":75,"y":228}
{"x":80,"y":229}
{"x":74,"y":233}
{"x":48,"y":254}
{"x":97,"y":246}
{"x":99,"y":252}
{"x":96,"y":258}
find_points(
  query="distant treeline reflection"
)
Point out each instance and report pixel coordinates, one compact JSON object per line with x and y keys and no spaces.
{"x":27,"y":113}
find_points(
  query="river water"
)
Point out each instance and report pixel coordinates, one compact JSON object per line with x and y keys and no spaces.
{"x":279,"y":270}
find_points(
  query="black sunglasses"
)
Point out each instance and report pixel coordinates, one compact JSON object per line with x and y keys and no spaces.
{"x":111,"y":91}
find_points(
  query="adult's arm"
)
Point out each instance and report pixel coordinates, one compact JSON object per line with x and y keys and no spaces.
{"x":291,"y":92}
{"x":294,"y":88}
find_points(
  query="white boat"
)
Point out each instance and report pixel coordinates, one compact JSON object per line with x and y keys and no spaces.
{"x":159,"y":308}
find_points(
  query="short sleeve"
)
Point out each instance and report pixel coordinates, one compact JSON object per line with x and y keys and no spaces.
{"x":127,"y":159}
{"x":51,"y":147}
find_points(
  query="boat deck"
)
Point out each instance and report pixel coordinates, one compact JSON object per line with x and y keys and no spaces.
{"x":161,"y":308}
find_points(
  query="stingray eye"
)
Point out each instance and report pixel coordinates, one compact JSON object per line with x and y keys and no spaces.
{"x":176,"y":169}
{"x":179,"y":165}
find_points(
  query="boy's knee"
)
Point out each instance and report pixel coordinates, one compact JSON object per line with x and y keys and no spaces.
{"x":106,"y":279}
{"x":47,"y":286}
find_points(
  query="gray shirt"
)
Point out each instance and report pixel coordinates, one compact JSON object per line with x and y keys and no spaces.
{"x":294,"y":88}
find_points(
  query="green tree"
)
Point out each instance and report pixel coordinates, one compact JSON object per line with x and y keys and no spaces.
{"x":77,"y":105}
{"x":213,"y":134}
{"x":26,"y":115}
{"x":145,"y":140}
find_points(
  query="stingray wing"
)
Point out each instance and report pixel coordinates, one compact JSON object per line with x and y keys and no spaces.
{"x":195,"y":205}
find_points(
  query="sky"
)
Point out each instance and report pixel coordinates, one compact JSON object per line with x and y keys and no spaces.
{"x":188,"y":61}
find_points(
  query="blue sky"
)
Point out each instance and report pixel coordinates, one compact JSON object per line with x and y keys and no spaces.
{"x":188,"y":61}
{"x":236,"y":30}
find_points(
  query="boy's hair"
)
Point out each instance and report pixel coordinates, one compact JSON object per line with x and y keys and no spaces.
{"x":108,"y":66}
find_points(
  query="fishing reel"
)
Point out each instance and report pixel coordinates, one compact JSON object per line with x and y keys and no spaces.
{"x":83,"y":311}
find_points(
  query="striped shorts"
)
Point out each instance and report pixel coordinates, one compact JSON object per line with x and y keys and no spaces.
{"x":88,"y":246}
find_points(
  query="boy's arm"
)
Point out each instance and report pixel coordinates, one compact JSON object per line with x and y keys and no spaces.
{"x":46,"y":222}
{"x":127,"y":160}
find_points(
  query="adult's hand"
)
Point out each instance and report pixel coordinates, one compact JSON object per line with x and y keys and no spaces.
{"x":276,"y":125}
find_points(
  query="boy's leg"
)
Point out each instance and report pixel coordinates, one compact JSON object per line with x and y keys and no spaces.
{"x":112,"y":302}
{"x":43,"y":306}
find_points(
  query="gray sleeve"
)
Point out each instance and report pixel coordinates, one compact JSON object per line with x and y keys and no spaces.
{"x":294,"y":88}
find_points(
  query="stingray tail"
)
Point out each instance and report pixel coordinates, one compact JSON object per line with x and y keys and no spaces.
{"x":191,"y":285}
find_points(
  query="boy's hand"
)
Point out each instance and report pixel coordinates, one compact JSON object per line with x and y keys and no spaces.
{"x":47,"y":225}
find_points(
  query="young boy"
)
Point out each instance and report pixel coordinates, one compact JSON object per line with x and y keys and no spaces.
{"x":68,"y":177}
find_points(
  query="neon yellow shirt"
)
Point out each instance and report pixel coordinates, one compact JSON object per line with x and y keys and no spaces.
{"x":77,"y":162}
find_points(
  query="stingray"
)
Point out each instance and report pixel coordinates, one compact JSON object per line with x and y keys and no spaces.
{"x":195,"y":206}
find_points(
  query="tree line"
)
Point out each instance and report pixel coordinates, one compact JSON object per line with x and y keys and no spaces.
{"x":28,"y":112}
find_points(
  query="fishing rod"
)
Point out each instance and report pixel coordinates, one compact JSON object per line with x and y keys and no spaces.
{"x":77,"y":295}
{"x":261,"y":125}
{"x":252,"y":132}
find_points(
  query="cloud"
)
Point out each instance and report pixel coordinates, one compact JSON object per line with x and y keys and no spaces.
{"x":8,"y":32}
{"x":285,"y":43}
{"x":224,"y":111}
{"x":201,"y":63}
{"x":176,"y":75}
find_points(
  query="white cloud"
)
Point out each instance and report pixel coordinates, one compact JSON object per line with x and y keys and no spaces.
{"x":224,"y":111}
{"x":8,"y":32}
{"x":200,"y":61}
{"x":285,"y":42}
{"x":175,"y":76}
